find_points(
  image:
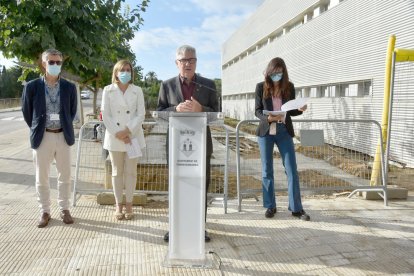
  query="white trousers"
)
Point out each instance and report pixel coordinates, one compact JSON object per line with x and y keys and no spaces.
{"x":53,"y":147}
{"x":124,"y":175}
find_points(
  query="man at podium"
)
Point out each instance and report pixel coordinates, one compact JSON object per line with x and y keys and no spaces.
{"x":189,"y":92}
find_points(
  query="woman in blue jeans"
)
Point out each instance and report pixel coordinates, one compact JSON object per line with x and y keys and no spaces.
{"x":274,"y":91}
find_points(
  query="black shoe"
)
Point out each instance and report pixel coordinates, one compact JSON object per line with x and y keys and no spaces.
{"x":206,"y":237}
{"x":270,"y":212}
{"x":302,"y":215}
{"x":167,"y":237}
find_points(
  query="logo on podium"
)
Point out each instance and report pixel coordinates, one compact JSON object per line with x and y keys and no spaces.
{"x":187,"y":147}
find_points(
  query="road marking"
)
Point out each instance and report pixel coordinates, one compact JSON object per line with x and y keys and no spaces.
{"x":12,"y":119}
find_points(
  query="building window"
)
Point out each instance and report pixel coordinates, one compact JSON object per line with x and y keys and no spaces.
{"x":367,"y":88}
{"x":352,"y":90}
{"x":315,"y":92}
{"x":361,"y":88}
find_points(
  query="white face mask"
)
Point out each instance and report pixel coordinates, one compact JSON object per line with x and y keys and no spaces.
{"x":53,"y":70}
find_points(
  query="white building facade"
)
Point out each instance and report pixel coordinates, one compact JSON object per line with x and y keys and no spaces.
{"x":334,"y":51}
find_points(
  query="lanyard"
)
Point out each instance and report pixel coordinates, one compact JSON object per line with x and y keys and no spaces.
{"x":52,"y":100}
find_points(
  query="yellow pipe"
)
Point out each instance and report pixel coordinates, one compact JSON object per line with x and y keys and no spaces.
{"x":376,"y":169}
{"x":404,"y":55}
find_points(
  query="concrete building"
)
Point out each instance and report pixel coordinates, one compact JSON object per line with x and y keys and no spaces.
{"x":335,"y":53}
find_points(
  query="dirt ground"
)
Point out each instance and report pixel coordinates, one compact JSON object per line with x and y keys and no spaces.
{"x":352,"y":162}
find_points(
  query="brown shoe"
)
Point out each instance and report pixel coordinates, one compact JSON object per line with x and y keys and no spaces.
{"x":44,"y":220}
{"x":66,"y":217}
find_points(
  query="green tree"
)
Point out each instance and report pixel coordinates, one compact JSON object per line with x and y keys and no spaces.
{"x":150,"y":78}
{"x":218,"y":88}
{"x":10,"y":86}
{"x":151,"y":88}
{"x":92,"y":34}
{"x":6,"y":79}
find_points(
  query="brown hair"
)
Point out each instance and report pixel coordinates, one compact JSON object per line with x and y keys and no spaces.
{"x":118,"y":67}
{"x":283,"y":84}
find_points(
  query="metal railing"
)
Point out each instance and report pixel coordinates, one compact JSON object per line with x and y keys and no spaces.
{"x":93,"y":167}
{"x":334,"y":165}
{"x":10,"y":103}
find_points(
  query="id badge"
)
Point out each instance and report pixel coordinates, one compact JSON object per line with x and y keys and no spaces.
{"x":54,"y":117}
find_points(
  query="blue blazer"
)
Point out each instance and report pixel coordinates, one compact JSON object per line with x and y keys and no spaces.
{"x":34,"y":110}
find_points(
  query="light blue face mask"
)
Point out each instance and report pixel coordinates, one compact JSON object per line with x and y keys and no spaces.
{"x":53,"y":70}
{"x":124,"y":77}
{"x":276,"y":77}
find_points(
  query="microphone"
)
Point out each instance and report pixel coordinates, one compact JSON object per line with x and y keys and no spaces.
{"x":209,"y":88}
{"x":201,"y":85}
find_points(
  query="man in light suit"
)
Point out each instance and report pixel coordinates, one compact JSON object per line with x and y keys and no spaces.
{"x":49,"y":108}
{"x":189,"y":92}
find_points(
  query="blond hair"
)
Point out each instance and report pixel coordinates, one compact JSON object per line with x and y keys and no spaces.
{"x":118,"y":67}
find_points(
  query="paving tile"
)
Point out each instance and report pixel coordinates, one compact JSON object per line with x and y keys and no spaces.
{"x":344,"y":237}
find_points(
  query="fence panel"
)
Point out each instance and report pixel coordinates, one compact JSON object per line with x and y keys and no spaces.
{"x":10,"y":103}
{"x":92,"y":160}
{"x":321,"y":167}
{"x":93,"y":166}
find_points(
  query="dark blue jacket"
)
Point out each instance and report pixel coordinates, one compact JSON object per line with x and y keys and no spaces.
{"x":34,"y":110}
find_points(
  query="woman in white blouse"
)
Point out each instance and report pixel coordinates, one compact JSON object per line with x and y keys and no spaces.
{"x":123,"y":111}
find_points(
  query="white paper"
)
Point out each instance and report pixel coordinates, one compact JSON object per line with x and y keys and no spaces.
{"x":294,"y":104}
{"x":275,"y":113}
{"x":133,"y":149}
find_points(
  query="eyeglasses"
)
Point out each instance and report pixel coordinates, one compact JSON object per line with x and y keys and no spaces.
{"x":52,"y":62}
{"x":189,"y":60}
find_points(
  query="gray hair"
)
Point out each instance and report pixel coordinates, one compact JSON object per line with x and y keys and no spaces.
{"x":51,"y":52}
{"x":183,"y":49}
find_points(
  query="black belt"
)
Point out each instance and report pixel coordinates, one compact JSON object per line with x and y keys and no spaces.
{"x":54,"y":130}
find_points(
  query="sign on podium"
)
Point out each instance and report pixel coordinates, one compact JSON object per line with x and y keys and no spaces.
{"x":187,"y":187}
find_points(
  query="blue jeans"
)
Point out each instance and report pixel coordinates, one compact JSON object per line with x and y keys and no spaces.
{"x":284,"y":142}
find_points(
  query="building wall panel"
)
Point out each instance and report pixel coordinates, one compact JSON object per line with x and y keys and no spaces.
{"x":343,"y":44}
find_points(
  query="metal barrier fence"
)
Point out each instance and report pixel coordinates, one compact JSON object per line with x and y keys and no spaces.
{"x":93,"y":166}
{"x":328,"y":165}
{"x":10,"y":102}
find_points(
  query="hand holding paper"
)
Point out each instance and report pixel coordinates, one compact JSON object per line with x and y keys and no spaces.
{"x":294,"y":104}
{"x":299,"y":103}
{"x":281,"y":114}
{"x":133,"y":149}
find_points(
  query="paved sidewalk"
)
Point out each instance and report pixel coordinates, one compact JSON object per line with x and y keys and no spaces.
{"x":344,"y":237}
{"x":10,"y":109}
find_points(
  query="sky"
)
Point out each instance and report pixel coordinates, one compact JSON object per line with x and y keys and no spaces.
{"x":168,"y":24}
{"x":202,"y":24}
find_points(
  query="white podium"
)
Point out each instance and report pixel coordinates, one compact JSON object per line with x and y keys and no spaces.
{"x":187,"y":188}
